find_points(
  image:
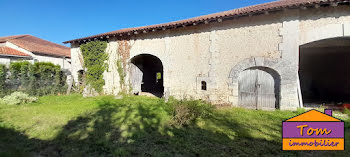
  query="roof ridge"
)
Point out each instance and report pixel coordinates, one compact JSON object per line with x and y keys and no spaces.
{"x":28,"y":35}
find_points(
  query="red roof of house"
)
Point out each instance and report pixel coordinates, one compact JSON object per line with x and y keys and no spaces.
{"x":250,"y":10}
{"x":37,"y":45}
{"x":12,"y":52}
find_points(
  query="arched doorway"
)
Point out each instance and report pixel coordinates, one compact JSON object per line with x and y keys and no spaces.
{"x":259,"y":88}
{"x":147,"y":75}
{"x":323,"y":71}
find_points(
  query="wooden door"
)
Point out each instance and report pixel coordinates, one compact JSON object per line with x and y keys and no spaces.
{"x":257,"y":89}
{"x":136,"y":78}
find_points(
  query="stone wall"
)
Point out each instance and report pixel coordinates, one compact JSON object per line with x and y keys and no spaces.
{"x":218,"y":52}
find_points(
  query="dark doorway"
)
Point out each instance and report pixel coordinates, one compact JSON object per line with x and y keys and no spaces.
{"x":324,"y":71}
{"x":151,"y":71}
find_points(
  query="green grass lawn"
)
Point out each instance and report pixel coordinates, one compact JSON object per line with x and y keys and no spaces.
{"x":139,"y":126}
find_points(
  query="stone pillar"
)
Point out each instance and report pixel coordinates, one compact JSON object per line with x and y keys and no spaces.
{"x":288,"y":66}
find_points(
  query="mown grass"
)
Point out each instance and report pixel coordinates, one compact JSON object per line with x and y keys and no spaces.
{"x":140,"y":126}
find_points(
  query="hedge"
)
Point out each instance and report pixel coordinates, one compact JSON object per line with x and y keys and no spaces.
{"x":41,"y":78}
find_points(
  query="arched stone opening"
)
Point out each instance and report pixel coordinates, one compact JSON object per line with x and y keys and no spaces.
{"x":259,"y":88}
{"x":323,"y":71}
{"x":268,"y":66}
{"x":147,"y":75}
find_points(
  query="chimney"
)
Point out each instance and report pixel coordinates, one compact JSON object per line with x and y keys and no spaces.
{"x":328,"y":112}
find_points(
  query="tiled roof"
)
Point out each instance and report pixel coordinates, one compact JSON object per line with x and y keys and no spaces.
{"x":12,"y":52}
{"x":37,"y":45}
{"x":250,"y":10}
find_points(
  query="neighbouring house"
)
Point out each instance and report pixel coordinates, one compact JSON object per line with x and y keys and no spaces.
{"x":33,"y":49}
{"x":281,"y":54}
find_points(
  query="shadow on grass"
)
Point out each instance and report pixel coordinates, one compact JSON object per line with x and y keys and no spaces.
{"x":140,"y":129}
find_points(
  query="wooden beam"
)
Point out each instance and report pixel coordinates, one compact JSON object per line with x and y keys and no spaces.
{"x":206,"y":22}
{"x":163,"y":28}
{"x":219,"y":19}
{"x":303,"y":8}
{"x":266,"y":12}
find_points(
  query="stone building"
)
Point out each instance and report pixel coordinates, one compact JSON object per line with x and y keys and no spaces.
{"x":280,"y":54}
{"x":33,"y":49}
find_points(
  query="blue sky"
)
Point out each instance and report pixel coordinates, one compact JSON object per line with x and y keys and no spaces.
{"x":62,"y":20}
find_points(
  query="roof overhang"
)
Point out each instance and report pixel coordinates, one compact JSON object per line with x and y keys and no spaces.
{"x":49,"y":54}
{"x":261,"y":9}
{"x":15,"y":56}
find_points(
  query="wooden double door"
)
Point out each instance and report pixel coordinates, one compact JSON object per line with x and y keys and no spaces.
{"x":258,"y":88}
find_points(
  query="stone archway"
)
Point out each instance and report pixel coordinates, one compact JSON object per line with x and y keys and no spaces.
{"x":323,"y":71}
{"x":146,"y":75}
{"x":268,"y":65}
{"x":324,"y":80}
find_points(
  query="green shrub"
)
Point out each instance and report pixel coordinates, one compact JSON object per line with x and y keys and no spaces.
{"x":3,"y":72}
{"x":347,"y":111}
{"x":17,"y":98}
{"x":185,"y":112}
{"x":41,"y":78}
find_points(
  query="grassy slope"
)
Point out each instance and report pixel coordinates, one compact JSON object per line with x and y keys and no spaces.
{"x":137,"y":126}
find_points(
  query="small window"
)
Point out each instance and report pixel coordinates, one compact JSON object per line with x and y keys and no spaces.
{"x":204,"y":85}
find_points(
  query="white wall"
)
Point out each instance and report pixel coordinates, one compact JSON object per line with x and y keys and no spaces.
{"x":63,"y":62}
{"x":5,"y":61}
{"x":211,"y":52}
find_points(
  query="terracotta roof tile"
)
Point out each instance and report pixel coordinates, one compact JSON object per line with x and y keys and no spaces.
{"x":12,"y":52}
{"x":37,"y":45}
{"x":250,"y":10}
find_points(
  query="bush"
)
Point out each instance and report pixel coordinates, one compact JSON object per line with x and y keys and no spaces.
{"x":17,"y":98}
{"x":185,"y":112}
{"x":3,"y":72}
{"x":41,"y":78}
{"x":347,"y":111}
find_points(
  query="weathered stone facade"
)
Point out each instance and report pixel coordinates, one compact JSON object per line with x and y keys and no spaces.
{"x":218,"y":52}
